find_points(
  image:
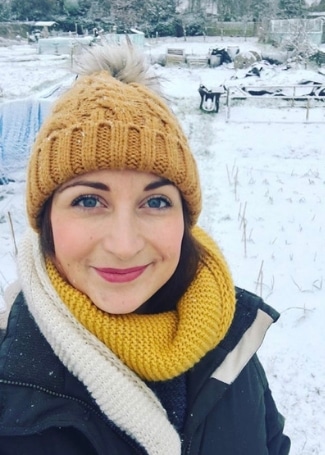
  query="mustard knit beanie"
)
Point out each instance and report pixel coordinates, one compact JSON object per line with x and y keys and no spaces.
{"x":111,"y":118}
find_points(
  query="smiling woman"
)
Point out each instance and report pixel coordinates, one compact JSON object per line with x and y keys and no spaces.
{"x":128,"y":335}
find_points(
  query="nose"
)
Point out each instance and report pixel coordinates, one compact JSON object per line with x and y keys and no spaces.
{"x":122,"y":235}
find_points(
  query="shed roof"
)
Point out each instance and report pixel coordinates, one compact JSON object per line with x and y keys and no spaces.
{"x":44,"y":23}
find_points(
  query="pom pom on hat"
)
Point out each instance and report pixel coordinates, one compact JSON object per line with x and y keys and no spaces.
{"x":111,"y":118}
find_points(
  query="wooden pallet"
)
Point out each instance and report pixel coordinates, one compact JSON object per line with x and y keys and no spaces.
{"x":175,"y":56}
{"x":194,"y":60}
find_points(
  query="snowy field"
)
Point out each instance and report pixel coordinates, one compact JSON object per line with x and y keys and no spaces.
{"x":263,"y":178}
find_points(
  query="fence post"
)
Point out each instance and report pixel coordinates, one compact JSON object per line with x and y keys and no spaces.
{"x":228,"y":104}
{"x":72,"y":55}
{"x":293,"y":96}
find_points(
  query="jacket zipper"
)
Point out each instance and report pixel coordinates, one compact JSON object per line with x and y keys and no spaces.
{"x":84,"y":404}
{"x":187,"y":450}
{"x":51,"y":392}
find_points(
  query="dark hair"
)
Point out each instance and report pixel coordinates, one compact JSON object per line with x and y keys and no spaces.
{"x":45,"y":228}
{"x":166,"y":298}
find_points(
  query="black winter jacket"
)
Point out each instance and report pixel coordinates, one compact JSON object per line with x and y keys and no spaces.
{"x":45,"y":410}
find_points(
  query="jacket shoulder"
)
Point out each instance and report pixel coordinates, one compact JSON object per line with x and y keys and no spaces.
{"x":250,"y":300}
{"x":249,"y":308}
{"x":251,"y":321}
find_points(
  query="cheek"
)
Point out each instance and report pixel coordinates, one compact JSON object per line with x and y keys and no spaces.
{"x":68,"y":240}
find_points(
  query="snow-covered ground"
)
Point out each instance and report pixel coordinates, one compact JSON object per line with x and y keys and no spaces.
{"x":263,"y":178}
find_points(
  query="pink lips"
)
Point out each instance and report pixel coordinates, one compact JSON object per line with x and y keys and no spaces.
{"x":120,"y":275}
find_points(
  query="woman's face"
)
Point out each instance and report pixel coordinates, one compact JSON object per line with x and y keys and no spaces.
{"x":117,"y":236}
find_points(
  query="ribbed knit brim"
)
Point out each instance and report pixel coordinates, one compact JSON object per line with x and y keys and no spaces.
{"x":102,"y":123}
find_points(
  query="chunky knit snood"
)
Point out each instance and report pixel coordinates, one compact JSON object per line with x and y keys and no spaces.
{"x":162,"y":346}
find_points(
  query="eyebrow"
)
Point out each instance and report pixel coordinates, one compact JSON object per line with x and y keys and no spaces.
{"x":101,"y":186}
{"x":95,"y":185}
{"x":157,"y":184}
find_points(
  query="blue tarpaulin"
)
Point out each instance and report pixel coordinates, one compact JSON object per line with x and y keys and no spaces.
{"x":20,"y":120}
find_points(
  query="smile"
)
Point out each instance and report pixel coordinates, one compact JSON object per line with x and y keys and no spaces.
{"x":120,"y":275}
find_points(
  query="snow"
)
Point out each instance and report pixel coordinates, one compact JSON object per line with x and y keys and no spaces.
{"x":263,"y":180}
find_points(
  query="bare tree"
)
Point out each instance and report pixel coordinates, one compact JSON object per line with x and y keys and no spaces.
{"x":297,"y":41}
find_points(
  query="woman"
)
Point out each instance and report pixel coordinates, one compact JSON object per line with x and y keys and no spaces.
{"x":128,"y":336}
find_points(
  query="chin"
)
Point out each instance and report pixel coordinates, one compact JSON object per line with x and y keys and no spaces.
{"x":118,"y":308}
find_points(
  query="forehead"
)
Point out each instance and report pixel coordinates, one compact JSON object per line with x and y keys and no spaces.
{"x":106,"y":179}
{"x":119,"y":173}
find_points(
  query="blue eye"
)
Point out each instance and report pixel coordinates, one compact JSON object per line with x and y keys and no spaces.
{"x":158,"y":202}
{"x":87,"y":202}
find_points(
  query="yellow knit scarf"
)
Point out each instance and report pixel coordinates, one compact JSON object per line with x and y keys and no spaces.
{"x":161,"y":346}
